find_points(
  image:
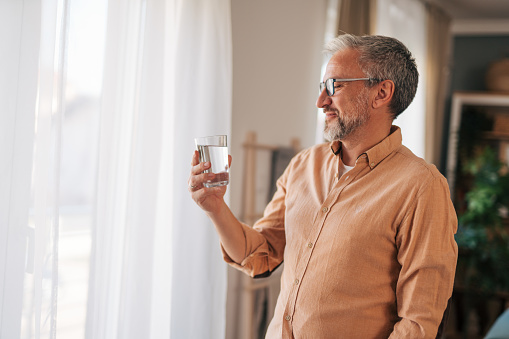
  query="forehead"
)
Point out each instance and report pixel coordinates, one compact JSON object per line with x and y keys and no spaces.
{"x":343,"y":64}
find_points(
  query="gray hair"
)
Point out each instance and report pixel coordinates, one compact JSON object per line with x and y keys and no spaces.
{"x":383,"y":58}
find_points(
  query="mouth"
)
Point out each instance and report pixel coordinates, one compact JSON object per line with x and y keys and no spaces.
{"x":330,"y":114}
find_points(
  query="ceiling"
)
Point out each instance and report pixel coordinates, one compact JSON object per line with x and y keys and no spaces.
{"x":475,"y":9}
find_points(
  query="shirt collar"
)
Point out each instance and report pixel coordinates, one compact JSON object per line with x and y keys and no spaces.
{"x":378,"y":152}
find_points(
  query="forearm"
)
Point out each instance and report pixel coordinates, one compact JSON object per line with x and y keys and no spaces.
{"x":238,"y":240}
{"x":230,"y":232}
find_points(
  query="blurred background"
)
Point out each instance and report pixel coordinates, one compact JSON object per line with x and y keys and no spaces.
{"x":101,"y":101}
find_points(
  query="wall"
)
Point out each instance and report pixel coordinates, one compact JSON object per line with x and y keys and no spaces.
{"x":277,"y":55}
{"x":471,"y":57}
{"x":276,"y":70}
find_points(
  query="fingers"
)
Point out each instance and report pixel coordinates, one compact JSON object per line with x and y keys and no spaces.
{"x":200,"y":167}
{"x":195,"y":182}
{"x":203,"y":192}
{"x":196,"y":158}
{"x":202,"y":196}
{"x":192,"y":187}
{"x":195,"y":162}
{"x":197,"y":176}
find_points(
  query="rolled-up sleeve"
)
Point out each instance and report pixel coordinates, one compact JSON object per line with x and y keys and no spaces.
{"x":265,"y":241}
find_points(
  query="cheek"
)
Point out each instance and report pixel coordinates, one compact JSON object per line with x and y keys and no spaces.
{"x":343,"y":105}
{"x":339,"y":102}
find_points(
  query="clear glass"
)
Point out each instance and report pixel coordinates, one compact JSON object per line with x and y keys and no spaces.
{"x":214,"y":149}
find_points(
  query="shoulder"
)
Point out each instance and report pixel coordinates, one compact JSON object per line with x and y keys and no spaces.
{"x":311,"y":159}
{"x":416,"y":171}
{"x":414,"y":165}
{"x":314,"y":152}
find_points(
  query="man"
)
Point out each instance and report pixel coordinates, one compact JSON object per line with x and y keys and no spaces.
{"x":365,"y":228}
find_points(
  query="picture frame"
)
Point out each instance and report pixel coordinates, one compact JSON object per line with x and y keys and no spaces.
{"x":460,"y":100}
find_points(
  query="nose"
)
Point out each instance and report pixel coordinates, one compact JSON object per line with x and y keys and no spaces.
{"x":323,"y":99}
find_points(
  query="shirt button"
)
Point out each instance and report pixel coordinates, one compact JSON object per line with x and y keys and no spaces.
{"x":372,"y":164}
{"x":325,"y":209}
{"x":310,"y":245}
{"x":288,"y":318}
{"x":296,"y":282}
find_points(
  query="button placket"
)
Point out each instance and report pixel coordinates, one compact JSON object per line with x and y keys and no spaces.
{"x":319,"y":223}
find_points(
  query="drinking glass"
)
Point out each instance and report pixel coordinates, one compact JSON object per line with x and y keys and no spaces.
{"x":214,"y":149}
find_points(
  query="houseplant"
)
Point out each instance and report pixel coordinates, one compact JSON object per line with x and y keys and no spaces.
{"x":483,"y":232}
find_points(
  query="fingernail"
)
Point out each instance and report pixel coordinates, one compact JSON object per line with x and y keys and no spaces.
{"x":207,"y":164}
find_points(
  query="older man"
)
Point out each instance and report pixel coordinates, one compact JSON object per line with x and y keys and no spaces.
{"x":365,"y":227}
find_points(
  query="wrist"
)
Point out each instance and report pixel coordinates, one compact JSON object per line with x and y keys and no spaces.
{"x":218,"y":210}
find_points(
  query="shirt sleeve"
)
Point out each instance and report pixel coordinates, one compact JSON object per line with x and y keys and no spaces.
{"x":265,"y":241}
{"x":427,"y":253}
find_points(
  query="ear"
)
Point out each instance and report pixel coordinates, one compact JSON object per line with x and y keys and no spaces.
{"x":385,"y":91}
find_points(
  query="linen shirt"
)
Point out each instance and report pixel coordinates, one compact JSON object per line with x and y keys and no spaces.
{"x":370,"y":254}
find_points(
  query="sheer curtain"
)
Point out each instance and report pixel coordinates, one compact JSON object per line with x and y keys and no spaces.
{"x":154,"y":267}
{"x":150,"y":237}
{"x":19,"y":36}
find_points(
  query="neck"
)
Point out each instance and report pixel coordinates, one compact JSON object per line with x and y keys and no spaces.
{"x":360,"y":141}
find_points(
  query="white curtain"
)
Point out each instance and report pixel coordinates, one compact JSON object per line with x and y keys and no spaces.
{"x":405,"y":20}
{"x":19,"y":38}
{"x":155,"y":269}
{"x":30,"y":119}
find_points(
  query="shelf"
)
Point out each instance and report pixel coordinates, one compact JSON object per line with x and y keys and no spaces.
{"x":481,"y":98}
{"x":502,"y":136}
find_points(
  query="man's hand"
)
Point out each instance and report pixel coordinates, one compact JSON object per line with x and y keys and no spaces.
{"x":210,"y":199}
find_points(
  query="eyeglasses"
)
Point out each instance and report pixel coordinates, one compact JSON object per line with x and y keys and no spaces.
{"x":329,"y":84}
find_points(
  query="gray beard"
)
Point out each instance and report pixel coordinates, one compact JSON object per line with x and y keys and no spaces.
{"x":339,"y":128}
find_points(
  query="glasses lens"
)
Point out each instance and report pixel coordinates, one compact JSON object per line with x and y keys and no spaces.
{"x":330,"y":86}
{"x":322,"y":86}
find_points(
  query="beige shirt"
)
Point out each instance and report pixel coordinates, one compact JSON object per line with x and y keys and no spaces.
{"x":368,"y":255}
